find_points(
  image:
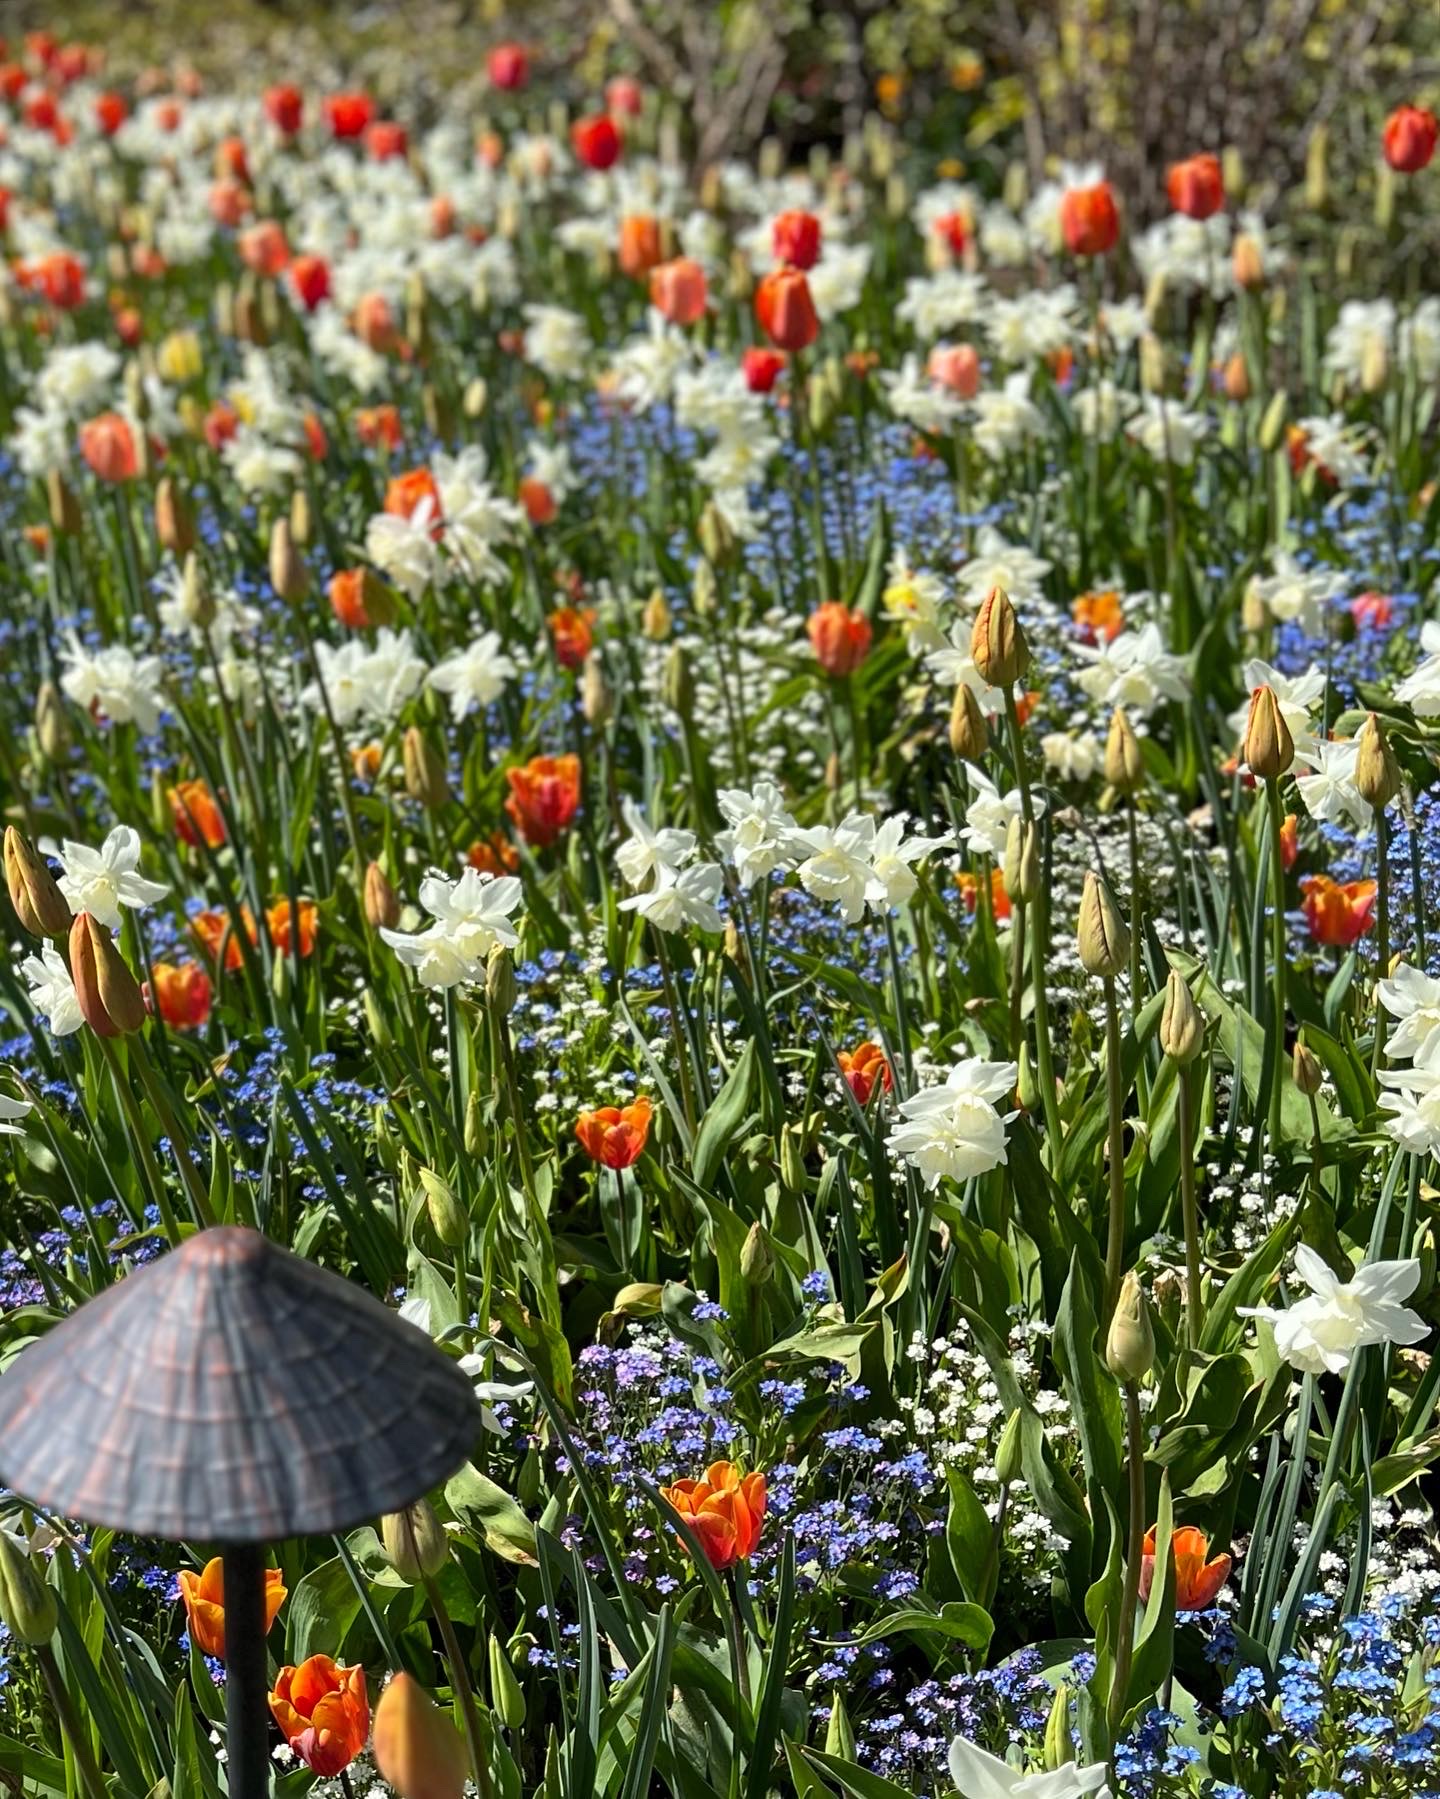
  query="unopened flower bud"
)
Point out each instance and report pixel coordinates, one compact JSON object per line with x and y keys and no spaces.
{"x":717,"y":540}
{"x":416,"y":1747}
{"x":792,"y":1160}
{"x":1237,"y":378}
{"x":477,"y":1136}
{"x":677,"y":688}
{"x":448,"y":1218}
{"x":39,"y":904}
{"x":475,"y":398}
{"x":1269,"y":748}
{"x":1377,"y":773}
{"x":109,"y":996}
{"x":28,"y":1605}
{"x":382,"y":903}
{"x":1182,"y":1024}
{"x":1317,"y":178}
{"x":415,"y":1543}
{"x":1155,"y":365}
{"x":302,"y":517}
{"x":197,"y":602}
{"x":1124,"y":765}
{"x":507,"y":1697}
{"x":595,"y":698}
{"x":1021,"y":868}
{"x":1059,"y":1741}
{"x":969,"y":733}
{"x":997,"y":642}
{"x":174,"y":517}
{"x":1374,"y":364}
{"x":424,"y":768}
{"x":839,"y":1733}
{"x":1102,"y":935}
{"x":1130,"y":1345}
{"x":500,"y":981}
{"x":1008,"y":1456}
{"x":703,"y":589}
{"x":1272,"y":426}
{"x":1246,"y":262}
{"x":65,"y":516}
{"x":376,"y":1022}
{"x":1305,"y":1066}
{"x":757,"y":1259}
{"x":288,"y":574}
{"x":655,"y":620}
{"x":52,"y":728}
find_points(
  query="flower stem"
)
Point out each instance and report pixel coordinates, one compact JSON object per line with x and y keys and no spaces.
{"x":1115,"y":1102}
{"x":1194,"y":1292}
{"x":460,"y":1685}
{"x":1382,"y":929}
{"x":1130,"y":1591}
{"x":1277,"y":876}
{"x":1044,"y":1065}
{"x":75,"y":1733}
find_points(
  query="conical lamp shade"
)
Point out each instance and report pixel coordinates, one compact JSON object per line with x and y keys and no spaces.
{"x":231,"y":1392}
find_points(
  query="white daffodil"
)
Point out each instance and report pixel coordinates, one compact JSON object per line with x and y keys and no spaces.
{"x":979,"y":1775}
{"x":893,"y":880}
{"x":1329,"y":791}
{"x":112,"y":682}
{"x":954,"y":1132}
{"x":1320,"y":1333}
{"x":11,"y":1112}
{"x":987,"y":817}
{"x":677,"y":900}
{"x":1413,"y":997}
{"x":650,"y":853}
{"x":101,"y":881}
{"x":761,"y":831}
{"x":837,"y":866}
{"x":472,"y":917}
{"x":1133,"y":670}
{"x":475,"y":677}
{"x":52,"y":992}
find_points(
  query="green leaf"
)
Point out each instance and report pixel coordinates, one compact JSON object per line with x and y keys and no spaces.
{"x":1154,"y":1646}
{"x":767,"y":1714}
{"x":858,"y":1783}
{"x":321,"y":1611}
{"x":1093,"y":1395}
{"x":490,"y":1514}
{"x":960,"y":1621}
{"x":968,"y":1533}
{"x":724,"y":1117}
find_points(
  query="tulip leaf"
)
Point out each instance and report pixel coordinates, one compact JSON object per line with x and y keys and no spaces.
{"x":857,"y":1783}
{"x":1093,"y":1394}
{"x":968,"y":1533}
{"x":1154,"y":1646}
{"x":321,"y":1611}
{"x":488,"y":1512}
{"x":960,"y":1620}
{"x":723,"y":1118}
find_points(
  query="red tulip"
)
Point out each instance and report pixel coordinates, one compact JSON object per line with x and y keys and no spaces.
{"x":347,"y":115}
{"x":795,"y":238}
{"x":284,"y":107}
{"x":508,"y":67}
{"x":310,"y":279}
{"x":1409,"y":138}
{"x":786,"y":311}
{"x":1196,"y":186}
{"x":1089,"y":219}
{"x":678,"y":290}
{"x":761,"y":368}
{"x":596,"y":141}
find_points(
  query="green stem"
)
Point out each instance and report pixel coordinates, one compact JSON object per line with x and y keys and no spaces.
{"x":460,"y":1686}
{"x":1115,"y":1103}
{"x":1130,"y":1592}
{"x":140,"y":1135}
{"x":1194,"y":1292}
{"x":1044,"y":1064}
{"x":1277,"y":876}
{"x":75,"y":1733}
{"x":1382,"y":929}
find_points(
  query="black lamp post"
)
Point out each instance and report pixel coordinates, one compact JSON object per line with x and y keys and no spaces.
{"x":233,"y":1393}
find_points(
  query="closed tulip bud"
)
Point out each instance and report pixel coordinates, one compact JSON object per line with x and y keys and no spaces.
{"x":65,"y":517}
{"x":757,"y":1259}
{"x":39,"y":904}
{"x":507,"y":1697}
{"x":1124,"y":765}
{"x":969,"y":733}
{"x":174,"y":518}
{"x":416,"y":1747}
{"x":1306,"y":1069}
{"x":716,"y":538}
{"x":1059,"y":1743}
{"x":792,"y":1160}
{"x":500,"y":981}
{"x":437,"y":413}
{"x":1317,"y":180}
{"x":52,"y":727}
{"x":197,"y":602}
{"x":1008,"y":1455}
{"x":1269,"y":748}
{"x":734,"y":948}
{"x":382,"y":903}
{"x":1246,"y":262}
{"x":1026,"y":1090}
{"x":1272,"y":426}
{"x":109,"y":996}
{"x":1102,"y":935}
{"x":703,"y":588}
{"x":288,"y":574}
{"x":1237,"y":378}
{"x":997,"y":641}
{"x":1155,"y":365}
{"x":249,"y":318}
{"x":424,"y":768}
{"x":677,"y":688}
{"x":27,"y":1601}
{"x":302,"y":517}
{"x":136,"y":399}
{"x":1130,"y":1345}
{"x":417,"y":318}
{"x":415,"y":1542}
{"x":655,"y":620}
{"x":1020,"y":870}
{"x":1254,"y":613}
{"x":477,"y":1135}
{"x":1374,"y":365}
{"x":1182,"y":1024}
{"x":448,"y":1218}
{"x":475,"y":398}
{"x":376,"y":1022}
{"x":595,"y":698}
{"x":225,"y":309}
{"x":1377,"y":773}
{"x":839,"y":1735}
{"x":821,"y":407}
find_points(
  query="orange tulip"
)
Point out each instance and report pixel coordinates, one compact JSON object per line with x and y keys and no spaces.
{"x":640,"y":249}
{"x":279,"y":922}
{"x":1089,"y":219}
{"x":571,"y":633}
{"x":216,"y":932}
{"x":180,"y":992}
{"x":1336,"y":914}
{"x":108,"y":446}
{"x":1409,"y":139}
{"x":404,"y":493}
{"x":795,"y":238}
{"x":613,"y":1135}
{"x":678,"y":290}
{"x":1197,"y":1579}
{"x":360,"y":600}
{"x":840,"y":637}
{"x":1196,"y":187}
{"x":956,"y":367}
{"x":725,"y":1510}
{"x":494,"y":855}
{"x":380,"y":425}
{"x":323,"y":1713}
{"x":263,"y":248}
{"x":970,"y":892}
{"x":204,"y":1596}
{"x":1289,"y":842}
{"x":538,"y":500}
{"x":417,"y":1749}
{"x":544,"y":797}
{"x":786,"y":311}
{"x":195,"y":815}
{"x":59,"y":276}
{"x":862,"y":1068}
{"x":1099,"y":615}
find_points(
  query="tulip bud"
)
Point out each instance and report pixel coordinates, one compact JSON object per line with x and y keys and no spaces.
{"x":1374,"y":365}
{"x":109,"y":995}
{"x":655,"y":620}
{"x":302,"y":517}
{"x":1237,"y":378}
{"x":821,"y":407}
{"x":1247,"y":264}
{"x":839,"y":1736}
{"x":416,"y":1747}
{"x":1182,"y":1024}
{"x":1025,"y":1089}
{"x":997,"y":642}
{"x":1272,"y":426}
{"x":595,"y":698}
{"x":448,"y":1218}
{"x":477,"y":1137}
{"x":1269,"y":748}
{"x":65,"y":518}
{"x":1102,"y":935}
{"x":1317,"y":182}
{"x":1008,"y":1455}
{"x":734,"y":948}
{"x":1124,"y":765}
{"x":507,"y":1697}
{"x":1130,"y":1345}
{"x":288,"y":574}
{"x":500,"y":981}
{"x":1059,"y":1745}
{"x":27,"y":1601}
{"x":1305,"y":1067}
{"x":197,"y":602}
{"x":475,"y":399}
{"x":376,"y":1022}
{"x":757,"y":1259}
{"x":969,"y":733}
{"x":703,"y":588}
{"x":382,"y":903}
{"x":436,"y":410}
{"x":1021,"y":868}
{"x":1377,"y":773}
{"x":415,"y":1542}
{"x":174,"y":518}
{"x":424,"y":766}
{"x":792,"y":1160}
{"x":1156,"y":368}
{"x":717,"y":540}
{"x":39,"y":904}
{"x":677,"y":688}
{"x":52,"y":728}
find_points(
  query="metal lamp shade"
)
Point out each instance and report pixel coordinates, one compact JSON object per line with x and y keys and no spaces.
{"x":231,"y":1392}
